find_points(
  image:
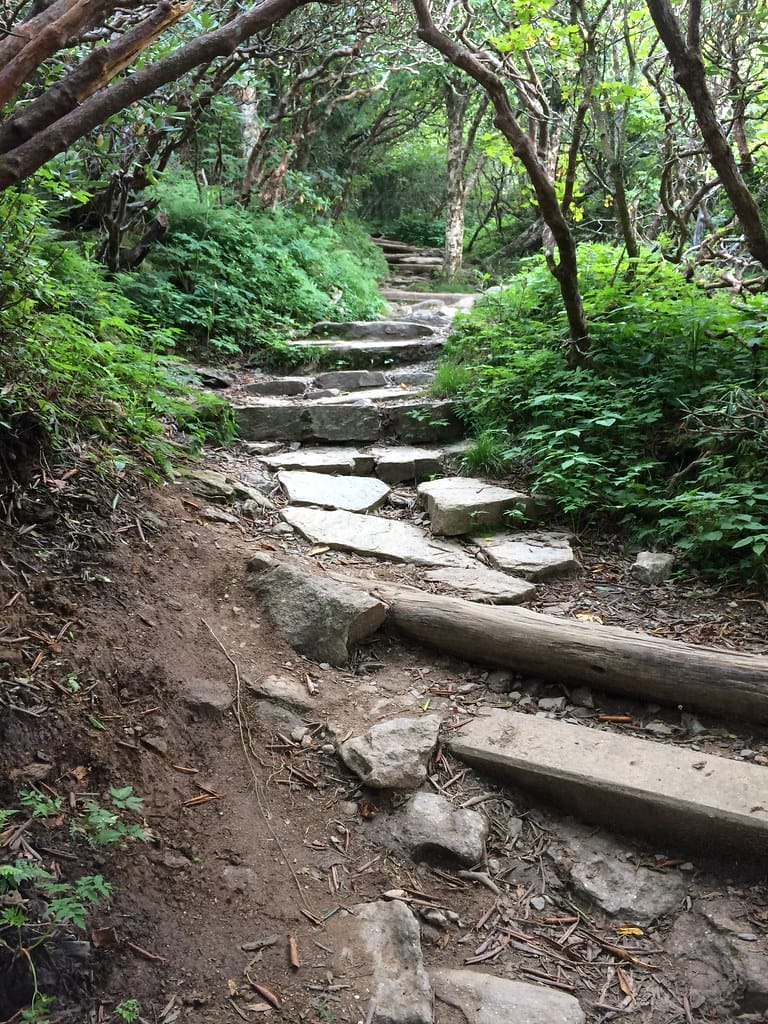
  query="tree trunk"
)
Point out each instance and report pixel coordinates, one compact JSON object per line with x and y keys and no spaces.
{"x":636,"y":665}
{"x":456,"y":107}
{"x":565,"y":270}
{"x":691,"y":75}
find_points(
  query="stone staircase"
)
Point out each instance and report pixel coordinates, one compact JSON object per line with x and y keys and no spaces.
{"x":358,"y":420}
{"x":409,"y":265}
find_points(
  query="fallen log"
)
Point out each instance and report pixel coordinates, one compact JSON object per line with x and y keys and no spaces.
{"x":637,"y":665}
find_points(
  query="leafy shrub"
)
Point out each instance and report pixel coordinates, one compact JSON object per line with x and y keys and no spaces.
{"x":229,"y":281}
{"x":664,"y":431}
{"x":78,"y":358}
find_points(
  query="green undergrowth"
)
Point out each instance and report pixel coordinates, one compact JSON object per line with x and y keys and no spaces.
{"x":81,"y":363}
{"x":665,"y":432}
{"x":232,"y":281}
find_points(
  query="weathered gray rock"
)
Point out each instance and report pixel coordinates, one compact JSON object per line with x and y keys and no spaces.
{"x":351,"y":380}
{"x":213,"y":378}
{"x":652,"y":566}
{"x":318,"y":617}
{"x":391,"y":979}
{"x":262,"y":447}
{"x":373,"y":535}
{"x":402,"y":330}
{"x":482,"y":584}
{"x":396,"y":465}
{"x":412,"y":377}
{"x":354,"y":421}
{"x":283,"y":690}
{"x":354,"y":493}
{"x":429,"y":825}
{"x":424,"y":421}
{"x":310,"y":421}
{"x":210,"y":482}
{"x":269,"y":421}
{"x":487,"y":999}
{"x":532,"y":555}
{"x":599,"y":867}
{"x":393,"y":754}
{"x":212,"y":696}
{"x":323,"y":460}
{"x":279,"y":386}
{"x":458,"y":505}
{"x":253,"y":495}
{"x":372,"y":352}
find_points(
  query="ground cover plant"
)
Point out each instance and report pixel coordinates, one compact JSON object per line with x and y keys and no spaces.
{"x":232,"y":281}
{"x":665,"y":430}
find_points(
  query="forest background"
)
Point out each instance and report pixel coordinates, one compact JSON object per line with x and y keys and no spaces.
{"x":187,"y":183}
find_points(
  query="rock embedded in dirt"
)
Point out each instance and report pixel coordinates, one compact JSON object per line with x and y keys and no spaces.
{"x":214,"y":378}
{"x":483,"y":584}
{"x":535,"y":556}
{"x":428,"y":824}
{"x":393,"y":754}
{"x":353,"y":493}
{"x":318,"y":617}
{"x":210,"y":482}
{"x":652,"y":566}
{"x":286,"y":691}
{"x":487,"y":999}
{"x":597,"y":866}
{"x":391,"y":982}
{"x":212,"y":696}
{"x":376,"y":536}
{"x":423,"y":420}
{"x":459,"y":505}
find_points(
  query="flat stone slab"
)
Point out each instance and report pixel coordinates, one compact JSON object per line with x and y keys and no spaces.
{"x":371,"y":352}
{"x":354,"y":330}
{"x":445,"y":298}
{"x":279,"y":386}
{"x":627,"y":784}
{"x":390,"y":393}
{"x":532,"y":555}
{"x":482,"y":584}
{"x":396,"y":465}
{"x":412,"y":377}
{"x":354,"y":493}
{"x":377,"y":947}
{"x":458,"y":505}
{"x":388,"y":539}
{"x":341,"y":461}
{"x":599,"y":868}
{"x":310,"y":421}
{"x":351,"y":380}
{"x":487,"y":999}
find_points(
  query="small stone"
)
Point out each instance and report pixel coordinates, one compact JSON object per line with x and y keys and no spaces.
{"x":747,"y":754}
{"x":659,"y":729}
{"x":486,"y":999}
{"x":298,"y":734}
{"x":582,"y":697}
{"x":217,"y":515}
{"x":156,"y":743}
{"x":652,"y":566}
{"x":287,"y":691}
{"x":552,"y":703}
{"x":500,"y":681}
{"x":285,"y":528}
{"x":210,"y":695}
{"x":538,"y":903}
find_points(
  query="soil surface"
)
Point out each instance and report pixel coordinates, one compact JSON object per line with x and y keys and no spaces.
{"x":120,"y":608}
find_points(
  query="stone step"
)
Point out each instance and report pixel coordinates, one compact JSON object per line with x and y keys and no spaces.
{"x":534,"y":556}
{"x":414,"y":420}
{"x":629,"y":785}
{"x":398,"y":260}
{"x":392,"y":245}
{"x":407,"y":296}
{"x":352,"y":493}
{"x":388,"y":539}
{"x":394,"y":465}
{"x":373,"y":353}
{"x":357,"y":330}
{"x":459,"y":505}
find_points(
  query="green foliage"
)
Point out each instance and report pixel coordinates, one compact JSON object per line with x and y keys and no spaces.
{"x":229,"y":281}
{"x":104,"y":827}
{"x":664,"y":431}
{"x":128,"y":1010}
{"x":78,"y":358}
